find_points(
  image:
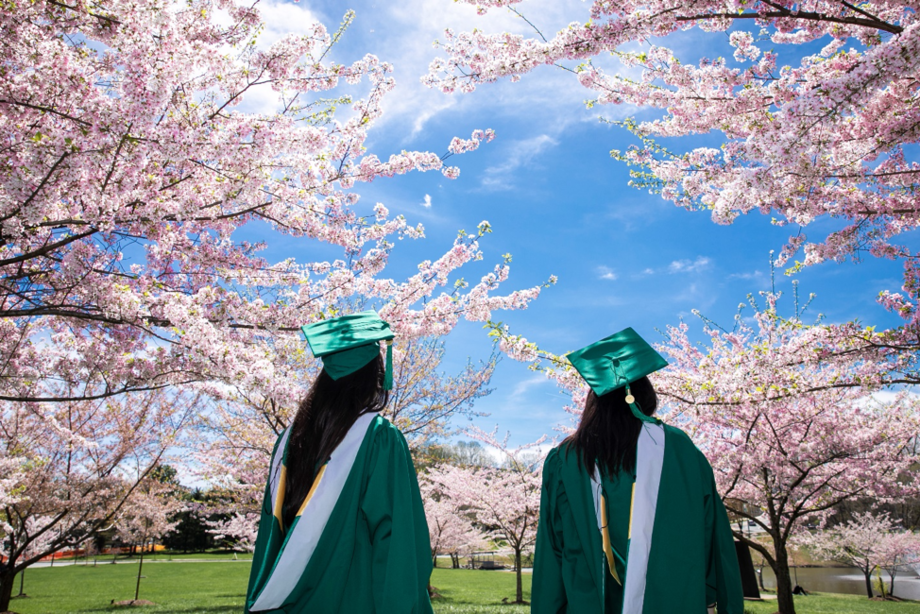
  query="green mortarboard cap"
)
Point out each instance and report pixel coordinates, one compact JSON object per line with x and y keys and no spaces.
{"x":615,"y":362}
{"x":347,"y":343}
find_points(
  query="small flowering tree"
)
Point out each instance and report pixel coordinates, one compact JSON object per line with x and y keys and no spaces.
{"x":424,"y":400}
{"x":900,"y":551}
{"x":505,"y":500}
{"x":450,"y":527}
{"x":240,"y":531}
{"x":867,"y":542}
{"x":147,"y":516}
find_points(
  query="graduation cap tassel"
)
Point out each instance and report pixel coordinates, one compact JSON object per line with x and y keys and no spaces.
{"x":388,"y":374}
{"x":635,"y":407}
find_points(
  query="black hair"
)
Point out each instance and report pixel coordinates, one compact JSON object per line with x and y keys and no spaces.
{"x":608,"y":431}
{"x":322,"y":421}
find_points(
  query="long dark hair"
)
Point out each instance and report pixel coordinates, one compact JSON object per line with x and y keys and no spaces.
{"x":322,"y":421}
{"x":608,"y":432}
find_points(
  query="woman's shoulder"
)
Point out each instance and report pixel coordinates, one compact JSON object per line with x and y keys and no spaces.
{"x":558,"y":458}
{"x":677,"y":436}
{"x":385,"y":433}
{"x":681,"y":441}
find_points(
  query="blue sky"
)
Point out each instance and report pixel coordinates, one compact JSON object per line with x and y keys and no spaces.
{"x":558,"y":203}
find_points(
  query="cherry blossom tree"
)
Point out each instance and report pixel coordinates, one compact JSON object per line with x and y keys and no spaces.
{"x":80,"y":462}
{"x":129,"y":165}
{"x":449,"y":526}
{"x":147,"y":516}
{"x":790,"y":432}
{"x":900,"y":552}
{"x":785,"y":415}
{"x":867,"y":542}
{"x":240,"y":530}
{"x":505,"y":500}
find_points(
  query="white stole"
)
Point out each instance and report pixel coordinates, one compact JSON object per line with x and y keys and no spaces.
{"x":649,"y":461}
{"x":300,"y":544}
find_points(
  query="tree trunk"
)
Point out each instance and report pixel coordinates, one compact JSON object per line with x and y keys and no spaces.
{"x":22,"y":581}
{"x":784,"y":598}
{"x":868,"y":576}
{"x":520,"y":587}
{"x":137,"y":591}
{"x":7,"y":578}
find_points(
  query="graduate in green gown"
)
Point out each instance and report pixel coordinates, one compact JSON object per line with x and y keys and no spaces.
{"x":343,"y":528}
{"x":630,"y":519}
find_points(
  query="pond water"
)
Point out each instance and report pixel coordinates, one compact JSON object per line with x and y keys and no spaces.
{"x":846,"y":580}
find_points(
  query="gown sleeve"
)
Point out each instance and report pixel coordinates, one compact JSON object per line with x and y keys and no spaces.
{"x":548,"y":591}
{"x":723,"y":578}
{"x":392,"y":506}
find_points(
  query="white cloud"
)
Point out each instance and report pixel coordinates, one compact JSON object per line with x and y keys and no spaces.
{"x":520,"y":153}
{"x":752,"y":275}
{"x":427,"y":202}
{"x":605,"y":272}
{"x":524,"y":386}
{"x":687,"y":266}
{"x":280,"y":19}
{"x":403,"y":33}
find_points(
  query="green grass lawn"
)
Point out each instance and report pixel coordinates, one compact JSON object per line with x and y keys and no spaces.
{"x":830,"y":603}
{"x":219,"y":588}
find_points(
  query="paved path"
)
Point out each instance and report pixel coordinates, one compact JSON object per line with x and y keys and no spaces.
{"x":80,"y":563}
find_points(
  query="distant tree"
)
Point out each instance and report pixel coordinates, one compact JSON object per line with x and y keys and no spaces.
{"x":900,"y":551}
{"x":424,"y":400}
{"x":239,"y":532}
{"x":868,"y":542}
{"x":147,"y":517}
{"x":191,"y":532}
{"x":450,"y":527}
{"x":461,"y":453}
{"x":504,"y":500}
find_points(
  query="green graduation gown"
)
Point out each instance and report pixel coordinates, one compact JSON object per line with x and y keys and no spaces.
{"x":362,"y":527}
{"x":691,"y":561}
